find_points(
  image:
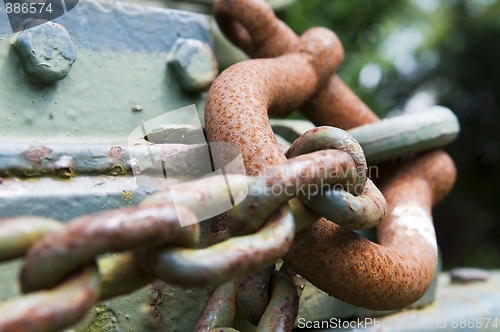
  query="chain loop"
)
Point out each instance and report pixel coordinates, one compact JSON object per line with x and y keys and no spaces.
{"x":397,"y":272}
{"x":57,"y":255}
{"x":322,"y":138}
{"x":283,"y":306}
{"x":294,"y":176}
{"x":252,"y":26}
{"x":226,"y":260}
{"x":253,"y":294}
{"x":18,"y":234}
{"x":363,"y":211}
{"x":220,"y":309}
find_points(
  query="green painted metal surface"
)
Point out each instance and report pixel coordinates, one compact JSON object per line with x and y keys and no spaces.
{"x":63,"y":135}
{"x":121,"y":63}
{"x":157,"y":307}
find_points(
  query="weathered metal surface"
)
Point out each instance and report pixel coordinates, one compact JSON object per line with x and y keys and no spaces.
{"x":351,"y":212}
{"x":240,"y":255}
{"x":324,"y":138}
{"x":73,"y":198}
{"x":119,"y":80}
{"x":290,"y":130}
{"x":70,"y":160}
{"x":76,"y":245}
{"x":286,"y":180}
{"x":18,"y":234}
{"x":122,"y":62}
{"x":267,"y":192}
{"x":316,"y":305}
{"x":253,"y":294}
{"x":121,"y":275}
{"x":363,"y":211}
{"x":193,"y":64}
{"x":227,"y":119}
{"x":92,"y":105}
{"x":202,"y":195}
{"x":157,"y":307}
{"x":407,"y":134}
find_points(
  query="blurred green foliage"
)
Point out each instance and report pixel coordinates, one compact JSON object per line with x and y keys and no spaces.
{"x":409,"y":54}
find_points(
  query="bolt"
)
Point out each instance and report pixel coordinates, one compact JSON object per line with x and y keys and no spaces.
{"x":46,"y":51}
{"x":193,"y":64}
{"x":137,"y":108}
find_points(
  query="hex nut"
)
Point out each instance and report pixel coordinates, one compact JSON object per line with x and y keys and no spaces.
{"x":47,"y":52}
{"x":193,"y":64}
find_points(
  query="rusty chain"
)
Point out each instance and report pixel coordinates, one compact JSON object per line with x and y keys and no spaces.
{"x":386,"y":276}
{"x":55,"y":252}
{"x":64,"y":273}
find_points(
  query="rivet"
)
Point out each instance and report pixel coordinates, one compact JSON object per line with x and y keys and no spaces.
{"x":193,"y":64}
{"x":47,"y":52}
{"x":137,"y":108}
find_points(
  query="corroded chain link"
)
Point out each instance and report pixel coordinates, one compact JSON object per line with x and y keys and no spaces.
{"x":64,"y":273}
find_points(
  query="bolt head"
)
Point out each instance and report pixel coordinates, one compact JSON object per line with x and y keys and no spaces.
{"x":193,"y":64}
{"x":46,"y":51}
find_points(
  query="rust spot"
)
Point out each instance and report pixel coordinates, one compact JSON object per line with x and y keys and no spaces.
{"x":154,"y":317}
{"x":116,"y":152}
{"x":156,"y":293}
{"x":218,"y":225}
{"x":36,"y":154}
